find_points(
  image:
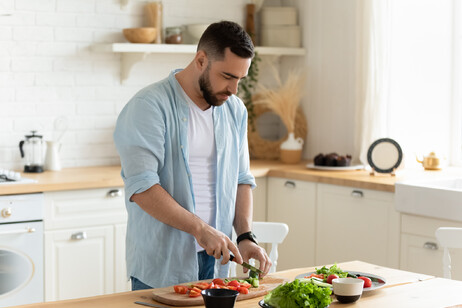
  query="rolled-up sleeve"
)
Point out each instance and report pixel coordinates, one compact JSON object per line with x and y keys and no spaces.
{"x":139,"y":137}
{"x":245,"y":176}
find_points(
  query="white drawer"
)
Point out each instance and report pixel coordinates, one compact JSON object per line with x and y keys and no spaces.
{"x":89,"y":207}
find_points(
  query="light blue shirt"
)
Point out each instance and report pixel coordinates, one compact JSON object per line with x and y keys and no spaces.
{"x":151,"y":136}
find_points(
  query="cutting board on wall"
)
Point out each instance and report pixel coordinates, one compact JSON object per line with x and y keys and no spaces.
{"x":168,"y":296}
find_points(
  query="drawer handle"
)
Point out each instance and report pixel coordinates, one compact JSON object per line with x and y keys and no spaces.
{"x":357,"y":194}
{"x":290,"y":184}
{"x":114,"y":193}
{"x":431,"y":246}
{"x":6,"y":212}
{"x":79,"y":236}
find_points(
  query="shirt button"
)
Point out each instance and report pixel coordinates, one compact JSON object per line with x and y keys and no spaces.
{"x":181,"y":146}
{"x":184,"y":119}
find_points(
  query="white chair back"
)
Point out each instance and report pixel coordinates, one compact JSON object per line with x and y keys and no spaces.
{"x":448,"y":238}
{"x":272,"y":233}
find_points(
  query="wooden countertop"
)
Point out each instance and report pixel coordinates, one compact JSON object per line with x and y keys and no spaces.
{"x":403,"y":289}
{"x":109,"y":176}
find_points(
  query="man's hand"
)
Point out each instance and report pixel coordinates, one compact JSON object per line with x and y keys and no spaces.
{"x":250,"y":250}
{"x":217,"y":244}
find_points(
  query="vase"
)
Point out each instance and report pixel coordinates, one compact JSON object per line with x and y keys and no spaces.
{"x":291,"y":149}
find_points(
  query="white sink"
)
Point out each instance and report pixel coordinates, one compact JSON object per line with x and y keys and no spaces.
{"x":438,"y":198}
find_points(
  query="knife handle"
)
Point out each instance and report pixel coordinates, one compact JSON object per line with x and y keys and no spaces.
{"x":231,"y":257}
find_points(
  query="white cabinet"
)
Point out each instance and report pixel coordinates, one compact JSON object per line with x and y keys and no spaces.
{"x":259,"y":200}
{"x":356,"y":224}
{"x":293,"y":202}
{"x":420,"y":251}
{"x":84,"y":243}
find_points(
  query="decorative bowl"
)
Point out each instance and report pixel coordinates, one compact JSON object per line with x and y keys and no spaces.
{"x":347,"y":290}
{"x":219,"y":298}
{"x":140,"y":35}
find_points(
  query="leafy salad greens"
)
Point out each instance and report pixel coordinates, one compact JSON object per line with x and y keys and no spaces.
{"x":300,"y":293}
{"x":333,"y":270}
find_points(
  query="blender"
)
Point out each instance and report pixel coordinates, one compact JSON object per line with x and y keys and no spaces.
{"x":32,"y":149}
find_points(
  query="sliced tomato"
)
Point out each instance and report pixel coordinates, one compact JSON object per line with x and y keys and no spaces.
{"x":218,"y":281}
{"x":243,"y":290}
{"x":245,"y":285}
{"x":234,"y":283}
{"x":180,"y":289}
{"x":232,"y":288}
{"x":331,"y":277}
{"x":320,"y":276}
{"x":194,"y":293}
{"x":202,"y":285}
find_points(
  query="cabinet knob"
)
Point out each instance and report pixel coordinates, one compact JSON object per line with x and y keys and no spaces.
{"x":290,"y":184}
{"x":357,"y":194}
{"x":79,"y":236}
{"x":114,"y":193}
{"x":431,"y":246}
{"x":6,"y":212}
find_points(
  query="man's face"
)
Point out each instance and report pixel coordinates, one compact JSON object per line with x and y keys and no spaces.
{"x":221,"y":78}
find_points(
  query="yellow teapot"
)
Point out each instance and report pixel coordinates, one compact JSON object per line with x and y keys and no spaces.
{"x":430,"y":162}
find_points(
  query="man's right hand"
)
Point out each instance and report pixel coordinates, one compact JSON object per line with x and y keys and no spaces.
{"x":217,"y":244}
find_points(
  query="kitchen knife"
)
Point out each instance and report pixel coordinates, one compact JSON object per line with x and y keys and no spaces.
{"x":247,"y":265}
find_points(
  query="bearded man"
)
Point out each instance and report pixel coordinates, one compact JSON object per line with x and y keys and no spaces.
{"x":183,"y":148}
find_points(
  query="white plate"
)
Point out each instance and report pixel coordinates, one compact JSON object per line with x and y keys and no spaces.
{"x":332,"y":168}
{"x":377,"y":281}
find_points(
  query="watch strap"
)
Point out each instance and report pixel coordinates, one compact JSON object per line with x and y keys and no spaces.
{"x":247,"y":236}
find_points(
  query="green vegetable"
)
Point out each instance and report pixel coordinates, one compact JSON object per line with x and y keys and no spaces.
{"x":299,"y":293}
{"x":253,"y":274}
{"x":334,"y":269}
{"x":254,"y":282}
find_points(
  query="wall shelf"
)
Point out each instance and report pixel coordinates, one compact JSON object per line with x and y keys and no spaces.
{"x":133,"y":53}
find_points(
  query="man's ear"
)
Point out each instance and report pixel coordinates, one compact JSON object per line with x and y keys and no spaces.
{"x":201,"y":60}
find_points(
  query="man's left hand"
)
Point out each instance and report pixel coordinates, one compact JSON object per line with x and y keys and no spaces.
{"x":250,"y":250}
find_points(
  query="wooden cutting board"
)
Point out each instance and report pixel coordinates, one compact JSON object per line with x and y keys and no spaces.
{"x":168,"y":296}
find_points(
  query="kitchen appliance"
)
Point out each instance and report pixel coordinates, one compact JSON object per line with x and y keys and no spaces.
{"x":21,"y":249}
{"x":32,"y":149}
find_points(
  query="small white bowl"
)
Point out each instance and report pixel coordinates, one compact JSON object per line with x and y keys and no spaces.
{"x":347,"y":290}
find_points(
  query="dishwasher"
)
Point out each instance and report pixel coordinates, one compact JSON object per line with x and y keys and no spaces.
{"x":21,"y":249}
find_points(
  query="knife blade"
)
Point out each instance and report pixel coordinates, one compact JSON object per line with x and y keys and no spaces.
{"x":247,"y":265}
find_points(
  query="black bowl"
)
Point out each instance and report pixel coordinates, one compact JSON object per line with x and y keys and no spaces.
{"x":219,"y":298}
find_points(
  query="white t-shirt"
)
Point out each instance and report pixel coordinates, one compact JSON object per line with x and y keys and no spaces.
{"x":202,"y":162}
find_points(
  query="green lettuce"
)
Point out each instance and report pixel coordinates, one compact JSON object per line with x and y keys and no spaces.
{"x":334,"y":269}
{"x":299,"y":294}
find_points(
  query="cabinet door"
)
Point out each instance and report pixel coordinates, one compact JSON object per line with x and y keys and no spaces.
{"x":420,"y":251}
{"x":293,"y":202}
{"x":259,"y":200}
{"x":356,"y":224}
{"x":79,"y":263}
{"x":121,"y":282}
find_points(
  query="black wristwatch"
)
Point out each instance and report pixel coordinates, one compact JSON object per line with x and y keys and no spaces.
{"x":247,"y":236}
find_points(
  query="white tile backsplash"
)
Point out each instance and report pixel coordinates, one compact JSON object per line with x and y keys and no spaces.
{"x":48,"y":70}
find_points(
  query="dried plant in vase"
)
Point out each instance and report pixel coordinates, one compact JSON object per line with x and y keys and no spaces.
{"x":284,"y":101}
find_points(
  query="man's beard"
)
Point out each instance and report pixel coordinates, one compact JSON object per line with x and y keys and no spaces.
{"x":207,"y":92}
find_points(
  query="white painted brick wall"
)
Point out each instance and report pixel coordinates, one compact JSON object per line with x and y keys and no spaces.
{"x":48,"y":70}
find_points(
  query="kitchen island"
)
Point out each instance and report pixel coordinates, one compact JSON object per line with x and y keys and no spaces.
{"x":403,"y":289}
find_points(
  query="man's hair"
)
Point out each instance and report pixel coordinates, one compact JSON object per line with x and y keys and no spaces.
{"x":221,"y":35}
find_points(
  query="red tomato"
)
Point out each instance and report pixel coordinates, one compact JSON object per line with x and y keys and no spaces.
{"x":331,"y":277}
{"x":194,"y":293}
{"x":320,"y":276}
{"x":180,"y":289}
{"x":232,"y":288}
{"x":202,"y":285}
{"x":243,"y":290}
{"x":218,"y":281}
{"x":234,"y":283}
{"x":246,"y":285}
{"x":367,"y":281}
